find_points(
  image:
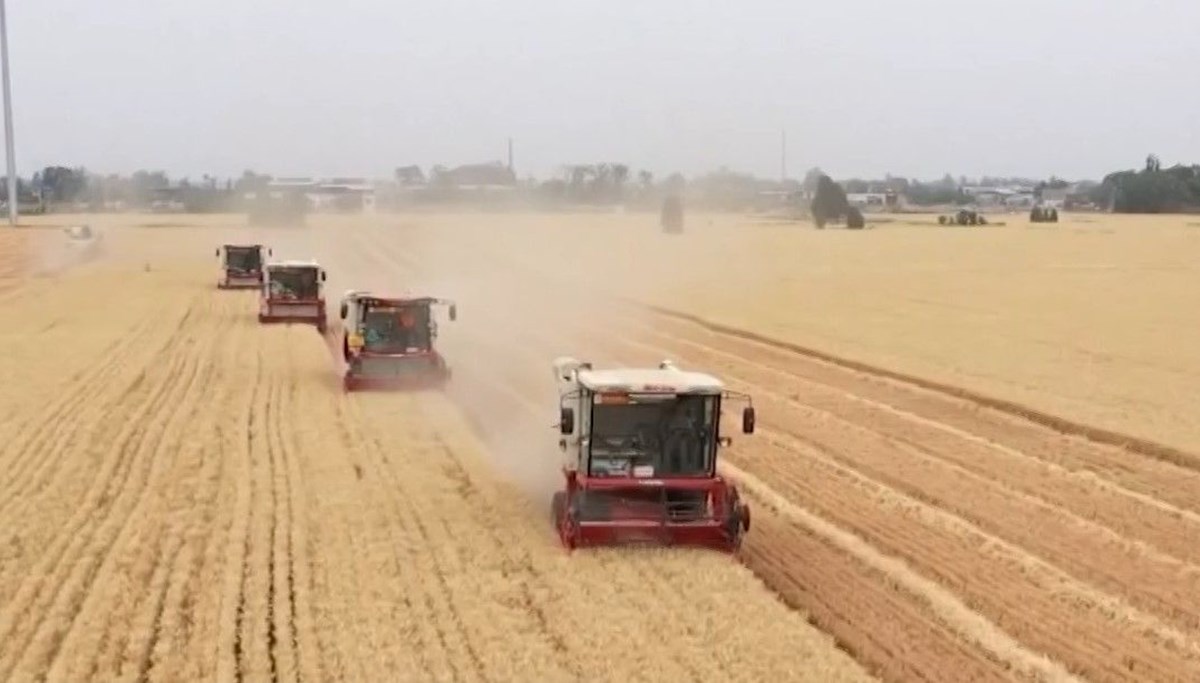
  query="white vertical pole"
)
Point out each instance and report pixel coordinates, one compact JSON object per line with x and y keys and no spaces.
{"x":11,"y":157}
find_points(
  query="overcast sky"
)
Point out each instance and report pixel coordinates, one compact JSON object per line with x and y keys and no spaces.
{"x":356,"y":87}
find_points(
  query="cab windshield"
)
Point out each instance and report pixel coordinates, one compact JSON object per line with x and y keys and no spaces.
{"x":395,"y":329}
{"x":294,"y":283}
{"x":673,"y":435}
{"x":244,"y":259}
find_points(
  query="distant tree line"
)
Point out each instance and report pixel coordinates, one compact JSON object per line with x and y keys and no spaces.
{"x":1153,"y":189}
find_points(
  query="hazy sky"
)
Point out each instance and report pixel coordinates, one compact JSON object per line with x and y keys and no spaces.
{"x":357,"y":87}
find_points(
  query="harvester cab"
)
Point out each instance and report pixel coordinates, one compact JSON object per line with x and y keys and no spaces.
{"x":242,"y":265}
{"x":641,"y":449}
{"x":388,"y":343}
{"x":293,"y":292}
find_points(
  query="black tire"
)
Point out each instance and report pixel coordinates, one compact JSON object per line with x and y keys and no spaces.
{"x":558,"y":506}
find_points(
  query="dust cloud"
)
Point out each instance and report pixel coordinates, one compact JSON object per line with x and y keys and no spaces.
{"x":520,"y":304}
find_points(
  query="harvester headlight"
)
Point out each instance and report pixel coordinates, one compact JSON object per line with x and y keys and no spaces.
{"x":355,"y":341}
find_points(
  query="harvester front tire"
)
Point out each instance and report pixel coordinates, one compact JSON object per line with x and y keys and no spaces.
{"x":558,"y":505}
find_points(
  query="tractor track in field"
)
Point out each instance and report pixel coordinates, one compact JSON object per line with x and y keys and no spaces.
{"x":1044,"y":526}
{"x":150,"y":565}
{"x":59,"y":581}
{"x":232,"y":620}
{"x":521,"y":371}
{"x":649,"y":590}
{"x":1169,"y":649}
{"x":1144,"y":447}
{"x":100,"y":540}
{"x":940,"y":477}
{"x":36,"y":449}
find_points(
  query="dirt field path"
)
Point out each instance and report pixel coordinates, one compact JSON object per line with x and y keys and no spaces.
{"x":989,"y":542}
{"x":185,"y":495}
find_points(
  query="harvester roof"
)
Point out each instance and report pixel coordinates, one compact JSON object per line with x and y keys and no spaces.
{"x":372,"y":300}
{"x":637,"y":380}
{"x":294,"y":263}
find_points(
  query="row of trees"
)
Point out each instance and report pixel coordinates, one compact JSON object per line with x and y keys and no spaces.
{"x":1151,"y":189}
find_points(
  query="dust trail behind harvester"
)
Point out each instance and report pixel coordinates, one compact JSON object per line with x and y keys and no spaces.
{"x":512,"y":322}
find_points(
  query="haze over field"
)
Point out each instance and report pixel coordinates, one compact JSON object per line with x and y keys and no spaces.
{"x":970,"y":446}
{"x":1071,"y":87}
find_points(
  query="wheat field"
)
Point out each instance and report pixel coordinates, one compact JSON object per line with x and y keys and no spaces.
{"x":975,"y":458}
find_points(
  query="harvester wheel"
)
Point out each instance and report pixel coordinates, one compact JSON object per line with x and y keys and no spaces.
{"x":941,"y":220}
{"x":558,"y":504}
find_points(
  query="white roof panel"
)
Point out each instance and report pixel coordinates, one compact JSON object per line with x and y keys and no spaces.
{"x":293,"y":263}
{"x":637,"y":380}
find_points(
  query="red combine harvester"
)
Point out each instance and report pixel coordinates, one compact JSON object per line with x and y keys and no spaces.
{"x":242,"y":267}
{"x":388,"y":343}
{"x":293,"y":292}
{"x":641,"y":458}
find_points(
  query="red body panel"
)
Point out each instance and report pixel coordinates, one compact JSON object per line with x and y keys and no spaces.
{"x":240,"y":280}
{"x":636,"y":517}
{"x":430,"y":372}
{"x":269,"y":316}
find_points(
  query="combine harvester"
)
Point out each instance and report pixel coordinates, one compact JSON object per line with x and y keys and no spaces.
{"x":293,"y":292}
{"x":388,"y":343}
{"x":641,"y":451}
{"x":242,"y":267}
{"x":83,"y":240}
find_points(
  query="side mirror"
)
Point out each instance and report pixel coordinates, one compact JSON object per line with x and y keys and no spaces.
{"x":566,"y":421}
{"x":453,"y":312}
{"x":343,"y":310}
{"x":217,"y":252}
{"x":322,"y":276}
{"x":270,"y":252}
{"x":748,"y":420}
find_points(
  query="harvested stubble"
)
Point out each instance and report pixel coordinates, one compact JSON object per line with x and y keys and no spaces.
{"x":188,"y":496}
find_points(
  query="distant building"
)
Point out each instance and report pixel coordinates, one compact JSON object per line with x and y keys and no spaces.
{"x":867,"y":199}
{"x":333,"y":194}
{"x":490,"y":176}
{"x":1055,"y":198}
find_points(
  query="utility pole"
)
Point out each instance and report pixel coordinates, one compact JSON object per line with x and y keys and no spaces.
{"x":510,"y":156}
{"x":8,"y":125}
